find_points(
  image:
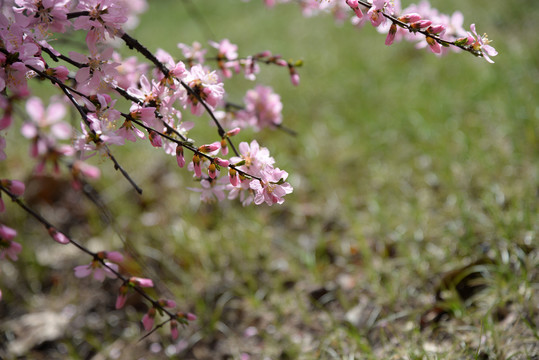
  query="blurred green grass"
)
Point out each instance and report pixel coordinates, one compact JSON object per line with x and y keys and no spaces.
{"x":407,"y":166}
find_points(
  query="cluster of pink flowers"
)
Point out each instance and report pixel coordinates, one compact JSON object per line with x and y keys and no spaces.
{"x":158,"y":98}
{"x":162,"y":94}
{"x":421,"y":23}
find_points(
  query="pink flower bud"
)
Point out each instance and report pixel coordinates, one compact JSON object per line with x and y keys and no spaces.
{"x":222,"y":162}
{"x":16,"y":187}
{"x":233,"y":177}
{"x":167,"y":303}
{"x":212,"y":171}
{"x":224,"y":147}
{"x":434,"y":46}
{"x":86,"y":169}
{"x":122,"y":297}
{"x":233,"y":132}
{"x":210,"y":147}
{"x":9,"y":248}
{"x":115,"y":256}
{"x":173,"y":328}
{"x":354,"y":5}
{"x":58,"y":236}
{"x":148,"y":319}
{"x":295,"y":79}
{"x":391,"y":34}
{"x":60,"y":72}
{"x":420,"y":24}
{"x":264,"y":54}
{"x":435,"y":29}
{"x":155,"y":139}
{"x":191,"y":317}
{"x":196,"y":165}
{"x":179,"y":156}
{"x":142,"y":282}
{"x":281,"y":62}
{"x":410,"y":18}
{"x":7,"y":233}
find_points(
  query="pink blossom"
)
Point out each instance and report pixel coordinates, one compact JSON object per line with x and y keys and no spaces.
{"x":263,"y":108}
{"x":45,"y":15}
{"x":256,"y":158}
{"x":98,"y":73}
{"x":480,"y":43}
{"x":272,"y":188}
{"x":99,"y":271}
{"x":376,"y":11}
{"x":226,"y":49}
{"x":104,"y":16}
{"x":205,"y":85}
{"x":48,"y":120}
{"x":210,"y":191}
{"x":226,"y":52}
{"x":194,"y":53}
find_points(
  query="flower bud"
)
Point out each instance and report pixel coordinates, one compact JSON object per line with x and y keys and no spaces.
{"x":233,"y":132}
{"x":210,"y":147}
{"x":418,"y":25}
{"x":58,"y":236}
{"x":16,"y":187}
{"x":222,"y":162}
{"x":114,"y":256}
{"x":410,"y":18}
{"x":196,"y":165}
{"x":142,"y":282}
{"x":122,"y":296}
{"x":7,"y":233}
{"x":435,"y":29}
{"x":212,"y":171}
{"x":179,"y":156}
{"x":391,"y":34}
